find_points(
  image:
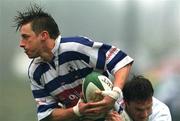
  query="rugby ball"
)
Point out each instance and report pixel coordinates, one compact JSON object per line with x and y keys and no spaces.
{"x":95,"y":82}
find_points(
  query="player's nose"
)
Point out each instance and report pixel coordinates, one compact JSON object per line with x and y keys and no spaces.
{"x":145,"y":114}
{"x":22,"y":43}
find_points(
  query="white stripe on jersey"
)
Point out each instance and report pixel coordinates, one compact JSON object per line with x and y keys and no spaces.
{"x":81,"y":49}
{"x":73,"y":46}
{"x":121,"y":63}
{"x":49,"y":75}
{"x":97,"y":44}
{"x":111,"y":53}
{"x":45,"y":101}
{"x":44,"y":114}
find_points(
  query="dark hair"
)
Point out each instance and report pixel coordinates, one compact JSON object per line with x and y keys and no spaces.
{"x":39,"y":20}
{"x":138,"y":88}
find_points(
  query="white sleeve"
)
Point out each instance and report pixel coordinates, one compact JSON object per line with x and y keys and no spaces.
{"x":160,"y":112}
{"x":104,"y":56}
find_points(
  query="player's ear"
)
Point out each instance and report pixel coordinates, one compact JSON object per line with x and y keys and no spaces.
{"x":126,"y":102}
{"x":44,"y":35}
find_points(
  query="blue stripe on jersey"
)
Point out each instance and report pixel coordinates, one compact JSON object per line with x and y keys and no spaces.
{"x":102,"y":56}
{"x":81,"y":40}
{"x":105,"y":73}
{"x":119,"y":56}
{"x":67,"y":79}
{"x":72,"y":55}
{"x":43,"y":108}
{"x":40,"y":93}
{"x":42,"y":68}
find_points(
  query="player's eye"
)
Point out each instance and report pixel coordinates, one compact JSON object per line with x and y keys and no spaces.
{"x":25,"y":36}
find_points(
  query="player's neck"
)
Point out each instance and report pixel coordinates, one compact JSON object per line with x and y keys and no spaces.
{"x":47,"y":56}
{"x":46,"y":53}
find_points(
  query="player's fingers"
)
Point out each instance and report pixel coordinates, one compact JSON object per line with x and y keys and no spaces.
{"x":113,"y":116}
{"x":97,"y":104}
{"x":106,"y":93}
{"x":103,"y":93}
{"x":105,"y":104}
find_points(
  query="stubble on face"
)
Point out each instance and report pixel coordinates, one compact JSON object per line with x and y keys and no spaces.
{"x":29,"y":41}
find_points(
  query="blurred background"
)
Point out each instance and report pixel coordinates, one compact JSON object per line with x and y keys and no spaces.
{"x":148,"y":30}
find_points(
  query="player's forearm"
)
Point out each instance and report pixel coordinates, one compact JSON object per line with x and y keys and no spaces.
{"x":121,"y":76}
{"x":63,"y":115}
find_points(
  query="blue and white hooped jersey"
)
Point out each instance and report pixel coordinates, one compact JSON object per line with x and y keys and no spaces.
{"x":58,"y":83}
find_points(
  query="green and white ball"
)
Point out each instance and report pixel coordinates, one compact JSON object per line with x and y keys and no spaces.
{"x":95,"y":82}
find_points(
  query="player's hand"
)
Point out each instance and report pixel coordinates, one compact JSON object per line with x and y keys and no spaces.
{"x":81,"y":110}
{"x":76,"y":108}
{"x":93,"y":110}
{"x":108,"y":102}
{"x":114,"y":116}
{"x":100,"y":107}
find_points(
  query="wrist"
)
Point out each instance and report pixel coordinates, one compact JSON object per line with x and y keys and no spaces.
{"x":117,"y":93}
{"x":76,"y":110}
{"x":117,"y":89}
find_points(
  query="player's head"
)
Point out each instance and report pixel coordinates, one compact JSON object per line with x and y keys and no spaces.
{"x":138,"y":93}
{"x":38,"y":19}
{"x":138,"y":88}
{"x":38,"y":31}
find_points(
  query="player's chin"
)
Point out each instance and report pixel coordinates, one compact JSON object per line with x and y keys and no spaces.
{"x":142,"y":119}
{"x":31,"y":56}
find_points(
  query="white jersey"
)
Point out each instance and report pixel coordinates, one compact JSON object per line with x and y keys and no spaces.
{"x":160,"y":112}
{"x":60,"y":81}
